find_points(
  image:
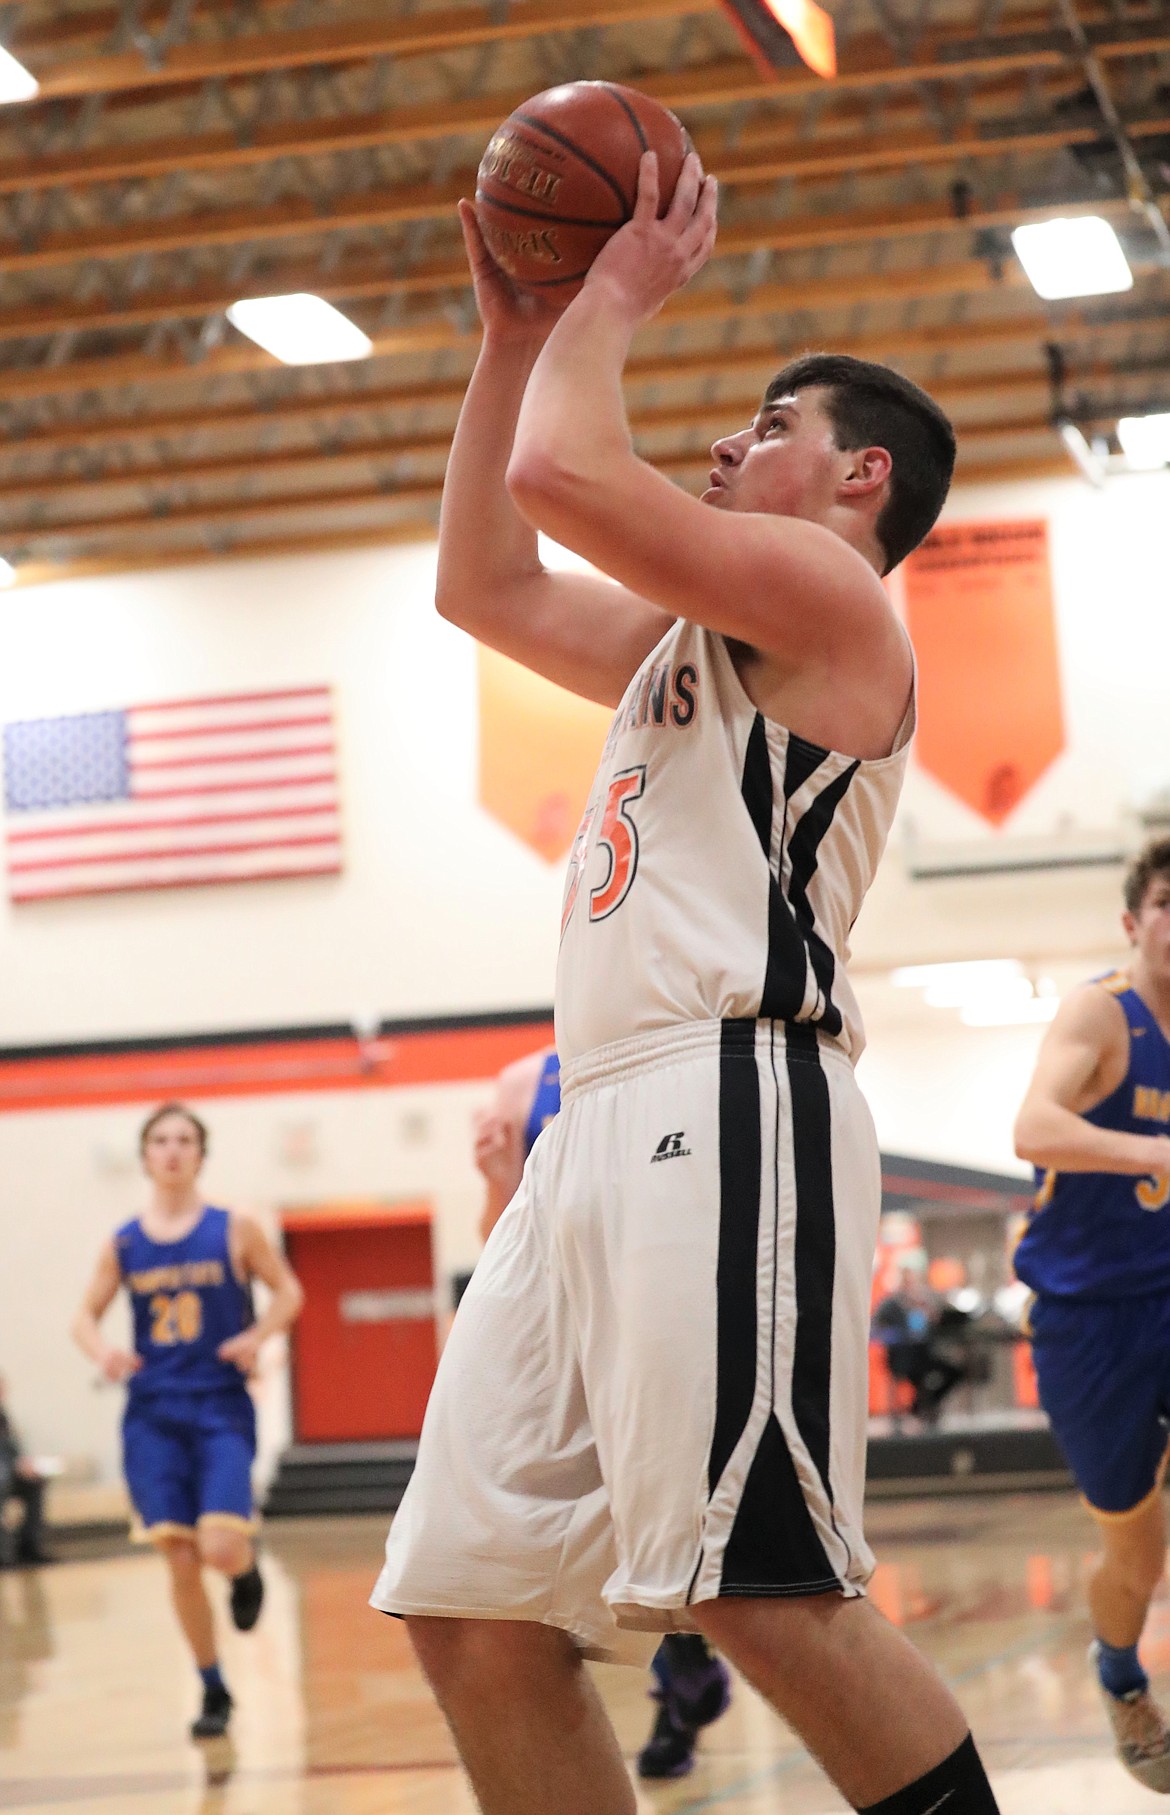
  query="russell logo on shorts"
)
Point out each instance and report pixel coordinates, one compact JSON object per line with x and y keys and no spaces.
{"x":670,"y":1147}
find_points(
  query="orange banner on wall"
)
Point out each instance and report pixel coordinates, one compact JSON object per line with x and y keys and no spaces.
{"x":981,"y":615}
{"x":538,"y":749}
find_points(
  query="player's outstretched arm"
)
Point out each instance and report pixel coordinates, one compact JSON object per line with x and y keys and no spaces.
{"x":1082,"y":1059}
{"x":115,"y":1364}
{"x":254,"y":1257}
{"x":789,"y":587}
{"x":584,"y":633}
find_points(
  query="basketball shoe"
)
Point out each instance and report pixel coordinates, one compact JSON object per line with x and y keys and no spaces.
{"x":247,"y":1598}
{"x":1140,"y":1733}
{"x":692,"y":1689}
{"x":212,"y":1720}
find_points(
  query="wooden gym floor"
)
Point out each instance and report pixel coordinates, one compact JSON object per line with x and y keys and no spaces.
{"x":332,"y":1717}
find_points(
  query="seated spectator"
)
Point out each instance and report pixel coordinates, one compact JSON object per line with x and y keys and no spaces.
{"x":909,"y":1323}
{"x":20,"y":1480}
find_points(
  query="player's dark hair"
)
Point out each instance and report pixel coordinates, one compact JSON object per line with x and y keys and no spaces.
{"x":871,"y":406}
{"x":1153,"y":861}
{"x":165,"y":1109}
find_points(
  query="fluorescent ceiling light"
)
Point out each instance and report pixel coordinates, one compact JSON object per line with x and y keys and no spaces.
{"x":988,"y":992}
{"x":7,"y":573}
{"x":301,"y":330}
{"x":1077,"y":256}
{"x":16,"y":82}
{"x":1145,"y":440}
{"x":1009,"y":1014}
{"x":963,"y":978}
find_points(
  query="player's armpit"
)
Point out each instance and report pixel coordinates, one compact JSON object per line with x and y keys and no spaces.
{"x":791,"y":588}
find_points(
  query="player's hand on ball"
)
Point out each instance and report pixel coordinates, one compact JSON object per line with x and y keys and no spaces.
{"x":117,"y":1365}
{"x":242,"y":1350}
{"x":648,"y":259}
{"x":507,"y":313}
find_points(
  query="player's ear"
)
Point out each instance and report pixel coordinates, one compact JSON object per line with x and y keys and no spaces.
{"x":1129,"y":923}
{"x":867,"y":470}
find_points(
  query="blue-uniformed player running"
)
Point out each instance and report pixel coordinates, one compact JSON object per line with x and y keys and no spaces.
{"x":189,"y":1432}
{"x":691,"y":1685}
{"x":1096,"y":1123}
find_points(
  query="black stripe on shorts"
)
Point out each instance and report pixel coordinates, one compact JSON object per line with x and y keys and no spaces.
{"x":774,"y":1548}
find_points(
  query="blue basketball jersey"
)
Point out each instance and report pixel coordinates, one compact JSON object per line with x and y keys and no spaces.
{"x":186,"y":1300}
{"x":1106,"y":1235}
{"x":546,"y":1101}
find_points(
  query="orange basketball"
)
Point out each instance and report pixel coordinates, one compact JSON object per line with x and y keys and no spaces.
{"x":561,"y":175}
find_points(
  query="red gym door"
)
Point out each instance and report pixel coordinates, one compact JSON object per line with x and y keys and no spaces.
{"x":364,"y":1348}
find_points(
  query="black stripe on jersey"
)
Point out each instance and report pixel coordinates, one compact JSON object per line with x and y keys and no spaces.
{"x":816,"y":1244}
{"x":803,"y":846}
{"x":739,"y":1223}
{"x":786,"y":964}
{"x":756,"y":786}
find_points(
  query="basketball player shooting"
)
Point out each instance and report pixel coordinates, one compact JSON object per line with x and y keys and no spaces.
{"x":651,"y":1413}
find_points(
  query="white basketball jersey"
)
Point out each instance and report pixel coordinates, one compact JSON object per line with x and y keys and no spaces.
{"x":720,"y":863}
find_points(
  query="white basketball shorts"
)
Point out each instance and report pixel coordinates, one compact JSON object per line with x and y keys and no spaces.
{"x":655,"y":1389}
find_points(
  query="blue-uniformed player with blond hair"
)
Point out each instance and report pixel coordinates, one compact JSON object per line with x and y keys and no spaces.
{"x":189,"y":1433}
{"x":1096,"y":1252}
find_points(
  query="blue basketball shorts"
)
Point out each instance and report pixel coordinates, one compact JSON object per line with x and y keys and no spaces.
{"x":188,"y":1459}
{"x":1103,"y":1369}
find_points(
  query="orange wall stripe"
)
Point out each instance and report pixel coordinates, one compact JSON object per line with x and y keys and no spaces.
{"x":267,"y":1067}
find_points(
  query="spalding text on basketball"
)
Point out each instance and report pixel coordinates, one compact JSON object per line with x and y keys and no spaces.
{"x":539,"y":243}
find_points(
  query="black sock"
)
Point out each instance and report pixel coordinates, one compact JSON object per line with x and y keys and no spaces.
{"x":686,"y":1650}
{"x":958,"y":1786}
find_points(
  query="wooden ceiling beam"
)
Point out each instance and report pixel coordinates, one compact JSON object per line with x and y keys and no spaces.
{"x":723,"y":84}
{"x":298,"y":217}
{"x":284,"y":464}
{"x":434,"y":334}
{"x":160,"y":426}
{"x":215,"y":515}
{"x":424,"y":33}
{"x":1019,"y":41}
{"x":371,"y":280}
{"x":718,"y":414}
{"x":135,"y":559}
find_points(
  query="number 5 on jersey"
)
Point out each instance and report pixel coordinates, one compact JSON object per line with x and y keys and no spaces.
{"x":618,"y":833}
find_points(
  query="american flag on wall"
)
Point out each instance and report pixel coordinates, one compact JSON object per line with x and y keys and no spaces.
{"x":228,"y":788}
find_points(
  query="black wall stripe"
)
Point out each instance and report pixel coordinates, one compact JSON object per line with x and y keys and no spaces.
{"x":816,"y":1245}
{"x":270,"y":1036}
{"x":774,"y":1547}
{"x":739,"y":1219}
